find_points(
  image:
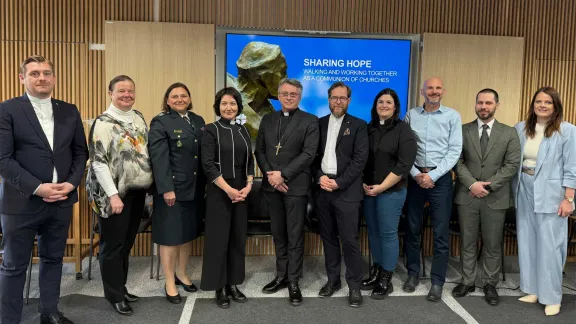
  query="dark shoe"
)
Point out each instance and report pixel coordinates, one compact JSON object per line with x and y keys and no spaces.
{"x":384,"y":287}
{"x":233,"y":292}
{"x":295,"y":296}
{"x":222,"y":299}
{"x":275,"y":285}
{"x":410,"y":284}
{"x":435,"y":293}
{"x":56,"y":318}
{"x":372,"y":281}
{"x":122,"y":308}
{"x":491,"y":295}
{"x":173,"y":299}
{"x":130,"y":298}
{"x":355,"y":298}
{"x":462,"y":290}
{"x":329,"y":289}
{"x":189,"y":288}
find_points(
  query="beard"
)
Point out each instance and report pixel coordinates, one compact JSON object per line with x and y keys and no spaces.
{"x":486,"y":116}
{"x":338,"y":112}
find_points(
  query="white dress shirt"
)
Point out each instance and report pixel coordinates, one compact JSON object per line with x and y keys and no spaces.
{"x":329,"y":161}
{"x":489,"y":130}
{"x":45,"y":114}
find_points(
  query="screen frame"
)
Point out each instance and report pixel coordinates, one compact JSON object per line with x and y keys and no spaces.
{"x":415,"y":50}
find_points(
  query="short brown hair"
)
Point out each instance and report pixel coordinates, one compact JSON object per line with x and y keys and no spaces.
{"x":36,"y":59}
{"x":117,"y":79}
{"x":337,"y":85}
{"x":164,"y":107}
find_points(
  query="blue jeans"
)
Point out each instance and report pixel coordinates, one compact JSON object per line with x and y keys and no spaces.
{"x":382,"y":214}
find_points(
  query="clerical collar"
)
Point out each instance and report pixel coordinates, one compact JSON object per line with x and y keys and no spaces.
{"x":227,"y":122}
{"x":38,"y":100}
{"x":289,"y":113}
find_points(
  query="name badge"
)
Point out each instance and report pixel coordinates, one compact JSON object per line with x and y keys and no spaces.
{"x":177,"y":131}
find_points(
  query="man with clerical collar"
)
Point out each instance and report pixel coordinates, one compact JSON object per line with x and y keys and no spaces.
{"x":42,"y":159}
{"x":285,"y":150}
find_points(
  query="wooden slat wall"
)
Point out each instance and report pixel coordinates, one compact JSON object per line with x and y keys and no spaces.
{"x":63,"y":30}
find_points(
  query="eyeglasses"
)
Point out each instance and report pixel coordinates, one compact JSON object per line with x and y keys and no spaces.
{"x":334,"y":98}
{"x":289,"y":94}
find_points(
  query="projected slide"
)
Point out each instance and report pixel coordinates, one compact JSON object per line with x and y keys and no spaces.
{"x":256,"y":63}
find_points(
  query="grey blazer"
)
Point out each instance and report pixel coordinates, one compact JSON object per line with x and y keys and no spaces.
{"x":498,"y":165}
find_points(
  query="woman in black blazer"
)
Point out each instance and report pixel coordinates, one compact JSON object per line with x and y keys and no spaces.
{"x":229,"y":166}
{"x":174,"y":146}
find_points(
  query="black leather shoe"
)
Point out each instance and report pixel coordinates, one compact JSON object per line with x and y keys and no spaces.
{"x":491,"y":295}
{"x":173,"y":299}
{"x":355,"y":298}
{"x":384,"y":287}
{"x":122,"y":308}
{"x":128,"y":297}
{"x":295,"y":296}
{"x":56,"y":318}
{"x":275,"y":285}
{"x":330,"y":288}
{"x":435,"y":293}
{"x":410,"y":284}
{"x":189,"y":288}
{"x":462,"y":290}
{"x":233,"y":292}
{"x":372,"y":281}
{"x":222,"y":299}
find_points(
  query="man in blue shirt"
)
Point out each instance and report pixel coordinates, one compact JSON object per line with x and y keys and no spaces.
{"x":438,"y":131}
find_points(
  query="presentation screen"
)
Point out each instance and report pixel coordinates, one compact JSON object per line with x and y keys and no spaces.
{"x":255,"y":63}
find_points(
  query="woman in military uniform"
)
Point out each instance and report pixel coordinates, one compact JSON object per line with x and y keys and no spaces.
{"x":229,"y":166}
{"x":174,"y":146}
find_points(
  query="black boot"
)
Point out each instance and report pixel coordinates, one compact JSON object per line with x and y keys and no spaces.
{"x":372,"y":281}
{"x":384,"y":287}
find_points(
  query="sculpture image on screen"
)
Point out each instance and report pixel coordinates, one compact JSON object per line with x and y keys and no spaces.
{"x":260,"y":66}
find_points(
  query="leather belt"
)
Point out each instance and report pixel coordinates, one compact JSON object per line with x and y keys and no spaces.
{"x":529,"y":171}
{"x":424,"y":170}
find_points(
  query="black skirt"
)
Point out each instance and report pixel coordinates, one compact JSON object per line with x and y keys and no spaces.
{"x":178,"y":224}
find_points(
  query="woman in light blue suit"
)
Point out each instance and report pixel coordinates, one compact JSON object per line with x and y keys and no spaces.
{"x":544,"y":196}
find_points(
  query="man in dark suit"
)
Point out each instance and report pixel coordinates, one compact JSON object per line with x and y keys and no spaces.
{"x":340,"y":160}
{"x":490,"y":158}
{"x":285,"y":150}
{"x":42,"y":158}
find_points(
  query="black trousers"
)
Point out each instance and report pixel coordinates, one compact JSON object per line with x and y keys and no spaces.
{"x":287,"y":223}
{"x":51,"y":226}
{"x":117,"y":236}
{"x":224,"y":238}
{"x":339,"y":222}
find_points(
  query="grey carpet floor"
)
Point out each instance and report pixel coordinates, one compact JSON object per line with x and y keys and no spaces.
{"x":325,"y":311}
{"x":83,"y":299}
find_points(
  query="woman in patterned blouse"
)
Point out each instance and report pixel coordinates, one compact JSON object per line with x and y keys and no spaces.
{"x":116,"y":183}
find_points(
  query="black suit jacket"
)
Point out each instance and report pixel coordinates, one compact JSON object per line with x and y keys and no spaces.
{"x":294,"y":159}
{"x":177,"y":167}
{"x":351,"y":156}
{"x":26,"y":159}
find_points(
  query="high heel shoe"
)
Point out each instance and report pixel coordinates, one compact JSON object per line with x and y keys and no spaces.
{"x":530,"y":299}
{"x":551,"y":310}
{"x":188,"y":288}
{"x":173,"y":299}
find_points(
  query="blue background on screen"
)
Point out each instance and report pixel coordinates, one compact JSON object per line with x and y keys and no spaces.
{"x":384,"y":54}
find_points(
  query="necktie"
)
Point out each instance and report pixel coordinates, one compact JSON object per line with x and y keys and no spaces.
{"x":484,"y":139}
{"x":186,"y":119}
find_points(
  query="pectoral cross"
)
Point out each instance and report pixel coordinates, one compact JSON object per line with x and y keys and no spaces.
{"x":278,"y":147}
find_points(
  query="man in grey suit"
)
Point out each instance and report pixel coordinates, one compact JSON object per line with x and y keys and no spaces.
{"x":490,"y":158}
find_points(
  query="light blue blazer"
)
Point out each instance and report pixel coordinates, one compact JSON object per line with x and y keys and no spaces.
{"x":555,"y":168}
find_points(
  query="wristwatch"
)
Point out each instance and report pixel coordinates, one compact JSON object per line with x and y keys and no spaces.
{"x":570,"y":199}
